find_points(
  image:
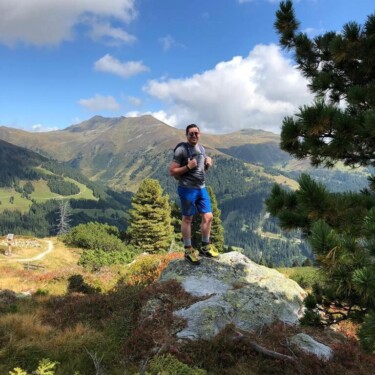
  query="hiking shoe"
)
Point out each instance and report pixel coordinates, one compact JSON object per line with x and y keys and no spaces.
{"x":191,"y":255}
{"x":209,"y":251}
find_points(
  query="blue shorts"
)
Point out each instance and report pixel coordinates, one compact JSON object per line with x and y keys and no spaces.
{"x":193,"y":200}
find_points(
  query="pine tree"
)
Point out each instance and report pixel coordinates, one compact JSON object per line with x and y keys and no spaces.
{"x":217,"y":229}
{"x":177,"y":244}
{"x":338,"y":126}
{"x":150,"y":227}
{"x":196,"y":236}
{"x":341,"y":70}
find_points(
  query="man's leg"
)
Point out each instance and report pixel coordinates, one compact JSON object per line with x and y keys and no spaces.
{"x":207,"y":249}
{"x":191,"y":255}
{"x":186,"y":229}
{"x":188,"y":197}
{"x":206,"y":225}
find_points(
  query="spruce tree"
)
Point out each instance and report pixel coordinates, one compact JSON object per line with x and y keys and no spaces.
{"x":150,"y":227}
{"x":196,"y":236}
{"x":217,"y":229}
{"x":338,"y":126}
{"x":177,"y":244}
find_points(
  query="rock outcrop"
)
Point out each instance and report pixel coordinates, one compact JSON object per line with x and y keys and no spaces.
{"x":234,"y":290}
{"x":311,"y":346}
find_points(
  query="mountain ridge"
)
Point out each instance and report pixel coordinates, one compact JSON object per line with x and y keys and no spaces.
{"x":99,"y":143}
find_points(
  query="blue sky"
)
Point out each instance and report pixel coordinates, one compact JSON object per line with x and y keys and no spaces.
{"x":213,"y":62}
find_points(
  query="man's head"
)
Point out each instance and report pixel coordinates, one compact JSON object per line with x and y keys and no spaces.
{"x":192,"y":134}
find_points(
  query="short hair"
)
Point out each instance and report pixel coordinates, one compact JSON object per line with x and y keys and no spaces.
{"x":191,"y":126}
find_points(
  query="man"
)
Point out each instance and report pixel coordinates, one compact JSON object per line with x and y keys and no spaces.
{"x":189,"y":166}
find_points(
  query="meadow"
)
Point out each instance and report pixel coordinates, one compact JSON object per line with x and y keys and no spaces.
{"x":85,"y":322}
{"x":41,"y":194}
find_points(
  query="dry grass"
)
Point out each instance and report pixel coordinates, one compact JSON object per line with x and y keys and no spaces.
{"x":56,"y":264}
{"x":27,"y":338}
{"x":132,"y":318}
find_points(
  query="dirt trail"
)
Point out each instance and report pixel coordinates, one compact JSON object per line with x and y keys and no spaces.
{"x":37,"y":257}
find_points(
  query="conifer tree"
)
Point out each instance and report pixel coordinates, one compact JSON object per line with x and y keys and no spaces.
{"x":177,"y":244}
{"x":196,"y":236}
{"x":341,"y":70}
{"x":338,"y":126}
{"x":217,"y":229}
{"x":150,"y":227}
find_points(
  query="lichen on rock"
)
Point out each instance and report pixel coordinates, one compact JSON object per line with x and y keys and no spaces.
{"x":238,"y":292}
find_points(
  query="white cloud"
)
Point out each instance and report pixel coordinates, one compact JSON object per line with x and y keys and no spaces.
{"x":168,"y":42}
{"x":38,"y":128}
{"x":76,"y":120}
{"x":313,"y":32}
{"x":114,"y":36}
{"x":257,"y":91}
{"x":49,"y":22}
{"x":100,"y":103}
{"x":160,"y":115}
{"x":134,"y":101}
{"x":127,"y":69}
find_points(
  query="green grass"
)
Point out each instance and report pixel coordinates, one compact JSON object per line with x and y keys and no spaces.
{"x":42,"y":191}
{"x":21,"y":204}
{"x":43,"y":171}
{"x":304,"y":276}
{"x":41,"y":194}
{"x":85,"y":192}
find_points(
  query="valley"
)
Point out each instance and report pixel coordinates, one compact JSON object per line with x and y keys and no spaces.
{"x":103,"y":160}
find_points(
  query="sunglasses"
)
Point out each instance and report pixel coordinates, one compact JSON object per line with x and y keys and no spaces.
{"x":192,"y":134}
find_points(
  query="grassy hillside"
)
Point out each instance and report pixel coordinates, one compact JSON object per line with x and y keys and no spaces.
{"x":120,"y":152}
{"x":41,"y":194}
{"x":91,"y":322}
{"x":32,"y":186}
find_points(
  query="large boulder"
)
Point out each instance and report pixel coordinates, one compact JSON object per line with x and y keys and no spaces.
{"x":234,"y":290}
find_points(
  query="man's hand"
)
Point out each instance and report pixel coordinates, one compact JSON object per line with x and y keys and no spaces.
{"x":192,"y":163}
{"x":207,"y":162}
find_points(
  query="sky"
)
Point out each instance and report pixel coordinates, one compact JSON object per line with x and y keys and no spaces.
{"x":215,"y":63}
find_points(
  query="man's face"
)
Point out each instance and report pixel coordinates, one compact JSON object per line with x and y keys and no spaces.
{"x":193,"y":136}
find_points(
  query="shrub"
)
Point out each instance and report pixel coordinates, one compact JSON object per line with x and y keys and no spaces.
{"x":306,"y":277}
{"x":98,"y":258}
{"x":95,"y":236}
{"x":77,"y":284}
{"x":311,"y":318}
{"x":169,"y":365}
{"x":41,"y":292}
{"x":45,"y":367}
{"x":147,"y":269}
{"x":367,"y":332}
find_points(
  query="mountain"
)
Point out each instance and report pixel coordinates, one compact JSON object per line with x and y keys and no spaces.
{"x":120,"y":152}
{"x":31,"y":187}
{"x":100,"y":147}
{"x":17,"y":162}
{"x":109,"y":150}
